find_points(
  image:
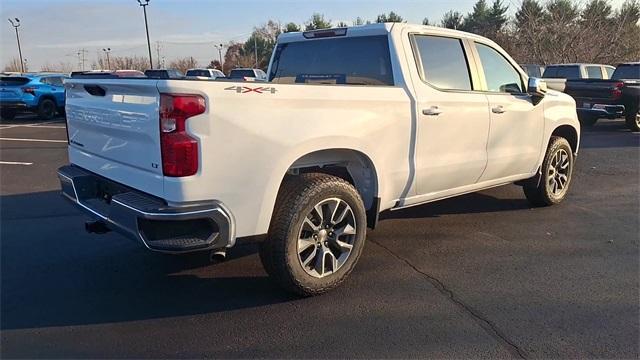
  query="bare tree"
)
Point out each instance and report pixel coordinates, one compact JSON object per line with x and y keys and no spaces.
{"x":14,"y":66}
{"x":62,"y":67}
{"x":236,"y":57}
{"x":121,"y":63}
{"x":183,"y":64}
{"x":215,"y":64}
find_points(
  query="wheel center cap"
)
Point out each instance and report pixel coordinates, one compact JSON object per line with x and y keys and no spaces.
{"x":322,"y":235}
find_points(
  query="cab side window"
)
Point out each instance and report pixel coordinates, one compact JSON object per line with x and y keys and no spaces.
{"x":609,"y":70}
{"x":594,"y":72}
{"x":442,"y":62}
{"x":500,"y":75}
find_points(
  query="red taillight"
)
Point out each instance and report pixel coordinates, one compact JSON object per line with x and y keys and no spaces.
{"x":29,"y":90}
{"x":179,"y":150}
{"x":617,"y":90}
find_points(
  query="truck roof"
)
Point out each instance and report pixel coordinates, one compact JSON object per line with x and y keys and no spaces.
{"x":578,"y":64}
{"x":371,"y":30}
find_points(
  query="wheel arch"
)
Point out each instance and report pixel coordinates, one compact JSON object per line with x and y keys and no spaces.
{"x":351,"y":165}
{"x":570,"y":133}
{"x":47,"y":97}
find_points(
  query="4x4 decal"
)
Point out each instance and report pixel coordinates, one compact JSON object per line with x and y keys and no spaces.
{"x":247,"y":89}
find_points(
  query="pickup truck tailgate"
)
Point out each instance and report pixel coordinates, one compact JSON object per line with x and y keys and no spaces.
{"x":113,"y":127}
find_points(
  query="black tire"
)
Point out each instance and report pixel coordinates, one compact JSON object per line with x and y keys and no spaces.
{"x":541,"y":193}
{"x":633,"y":120}
{"x":7,"y":114}
{"x":46,"y":109}
{"x":296,"y":200}
{"x":587,"y":120}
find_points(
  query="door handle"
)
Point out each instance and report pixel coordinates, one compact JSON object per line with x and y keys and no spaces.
{"x":432,"y":111}
{"x":497,"y":109}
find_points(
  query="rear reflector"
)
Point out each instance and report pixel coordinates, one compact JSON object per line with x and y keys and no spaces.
{"x":179,"y":150}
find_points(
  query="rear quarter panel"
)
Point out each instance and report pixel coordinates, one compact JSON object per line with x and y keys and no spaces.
{"x":250,"y":137}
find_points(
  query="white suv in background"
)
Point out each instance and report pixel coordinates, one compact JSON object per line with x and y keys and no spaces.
{"x":248,"y":74}
{"x":204,"y":74}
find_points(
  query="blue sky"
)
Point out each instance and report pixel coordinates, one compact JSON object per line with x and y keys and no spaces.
{"x":53,"y":31}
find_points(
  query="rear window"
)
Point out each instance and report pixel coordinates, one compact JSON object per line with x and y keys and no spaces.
{"x":347,"y":61}
{"x":203,"y":73}
{"x":627,"y":72}
{"x":562,"y":72}
{"x":13,"y":80}
{"x":240,"y":74}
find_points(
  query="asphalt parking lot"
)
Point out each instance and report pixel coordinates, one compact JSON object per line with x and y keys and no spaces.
{"x":482,"y":275}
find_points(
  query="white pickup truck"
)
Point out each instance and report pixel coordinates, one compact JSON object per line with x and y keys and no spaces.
{"x":352,"y":122}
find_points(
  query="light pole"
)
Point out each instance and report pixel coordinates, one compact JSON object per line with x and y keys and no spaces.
{"x":16,"y":25}
{"x":144,"y":4}
{"x":107,"y":51}
{"x":219,"y":47}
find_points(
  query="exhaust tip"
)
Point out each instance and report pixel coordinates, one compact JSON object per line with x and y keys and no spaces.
{"x":96,"y":227}
{"x":218,"y":255}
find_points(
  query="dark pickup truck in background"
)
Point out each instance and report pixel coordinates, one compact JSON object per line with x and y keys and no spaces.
{"x":615,"y":98}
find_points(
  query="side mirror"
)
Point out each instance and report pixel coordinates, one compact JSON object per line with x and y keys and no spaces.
{"x":537,"y":87}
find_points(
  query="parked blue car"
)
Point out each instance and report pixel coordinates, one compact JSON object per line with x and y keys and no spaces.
{"x":42,"y":94}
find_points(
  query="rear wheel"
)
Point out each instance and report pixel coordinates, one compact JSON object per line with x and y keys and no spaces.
{"x":7,"y":114}
{"x":587,"y":120}
{"x":46,"y":109}
{"x":633,"y":120}
{"x":317,"y":234}
{"x":557,"y":169}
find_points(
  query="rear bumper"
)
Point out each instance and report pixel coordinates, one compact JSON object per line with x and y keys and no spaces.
{"x":145,"y":218}
{"x":603,"y":111}
{"x":13,"y":105}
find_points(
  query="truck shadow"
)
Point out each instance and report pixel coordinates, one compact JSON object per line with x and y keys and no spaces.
{"x":608,"y":134}
{"x":465,"y":204}
{"x":53,"y":274}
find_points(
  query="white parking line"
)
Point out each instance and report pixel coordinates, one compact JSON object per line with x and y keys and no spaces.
{"x":15,"y":163}
{"x":36,"y":140}
{"x":38,"y":124}
{"x":45,"y":126}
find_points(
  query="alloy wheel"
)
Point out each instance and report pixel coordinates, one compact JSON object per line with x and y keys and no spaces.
{"x":559,"y":172}
{"x":326,"y":237}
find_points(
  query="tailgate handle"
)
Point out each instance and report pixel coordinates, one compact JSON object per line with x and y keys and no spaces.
{"x":95,"y":90}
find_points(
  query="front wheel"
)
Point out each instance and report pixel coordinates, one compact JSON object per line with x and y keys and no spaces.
{"x":633,"y":120}
{"x":556,"y":172}
{"x":317,"y":234}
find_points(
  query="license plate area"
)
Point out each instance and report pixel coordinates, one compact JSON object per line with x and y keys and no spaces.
{"x":91,"y":187}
